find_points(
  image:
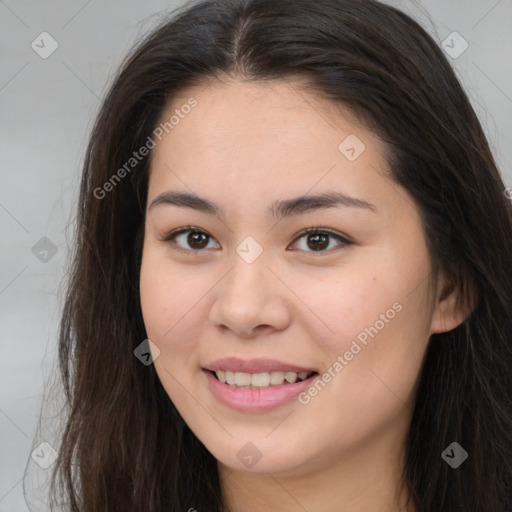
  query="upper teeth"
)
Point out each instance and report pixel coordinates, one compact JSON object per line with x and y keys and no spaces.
{"x":260,"y":380}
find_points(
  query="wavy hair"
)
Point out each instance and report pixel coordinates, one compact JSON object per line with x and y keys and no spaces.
{"x":124,"y":446}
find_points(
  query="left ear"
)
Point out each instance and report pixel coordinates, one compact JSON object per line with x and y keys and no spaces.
{"x":449,"y":309}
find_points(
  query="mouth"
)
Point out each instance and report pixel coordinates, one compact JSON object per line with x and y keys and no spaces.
{"x":260,"y":380}
{"x":262,"y":393}
{"x":257,"y":385}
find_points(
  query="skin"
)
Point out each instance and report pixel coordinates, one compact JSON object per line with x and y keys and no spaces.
{"x":243,"y":146}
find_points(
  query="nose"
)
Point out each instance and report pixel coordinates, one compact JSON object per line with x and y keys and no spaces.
{"x":250,"y":300}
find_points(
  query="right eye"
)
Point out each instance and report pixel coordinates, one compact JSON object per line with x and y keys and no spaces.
{"x":196,"y":239}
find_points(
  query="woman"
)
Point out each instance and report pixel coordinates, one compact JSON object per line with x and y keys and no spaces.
{"x":217,"y":355}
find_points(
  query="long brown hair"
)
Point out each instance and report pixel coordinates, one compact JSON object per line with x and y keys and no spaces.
{"x":125,"y":447}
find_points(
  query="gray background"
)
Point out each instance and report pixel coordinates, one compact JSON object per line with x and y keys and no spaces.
{"x":47,"y":107}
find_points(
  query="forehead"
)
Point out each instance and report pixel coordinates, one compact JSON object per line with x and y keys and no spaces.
{"x":236,"y":109}
{"x":274,"y":128}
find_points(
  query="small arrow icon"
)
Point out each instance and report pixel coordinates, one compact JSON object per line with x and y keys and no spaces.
{"x":249,"y":455}
{"x":455,"y":45}
{"x":454,"y":455}
{"x":351,"y":147}
{"x":44,"y":250}
{"x":147,"y":352}
{"x":44,"y":455}
{"x":450,"y":455}
{"x":247,"y":252}
{"x":44,"y":45}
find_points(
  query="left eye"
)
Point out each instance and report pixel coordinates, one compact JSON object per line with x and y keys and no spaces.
{"x":319,"y":238}
{"x":197,"y":239}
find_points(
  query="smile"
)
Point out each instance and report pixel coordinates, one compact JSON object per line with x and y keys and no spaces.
{"x":261,"y":396}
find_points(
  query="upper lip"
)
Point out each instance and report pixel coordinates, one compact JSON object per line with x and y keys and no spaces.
{"x":255,"y":365}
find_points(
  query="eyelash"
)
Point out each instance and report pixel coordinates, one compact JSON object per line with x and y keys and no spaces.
{"x":170,"y":238}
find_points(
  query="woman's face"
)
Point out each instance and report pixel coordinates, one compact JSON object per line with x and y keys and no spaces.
{"x":246,"y":283}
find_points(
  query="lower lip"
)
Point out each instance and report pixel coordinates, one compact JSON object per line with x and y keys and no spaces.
{"x":255,"y":400}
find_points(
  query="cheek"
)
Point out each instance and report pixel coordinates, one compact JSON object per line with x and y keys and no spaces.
{"x":171,"y":302}
{"x":346,"y":306}
{"x":372,"y":320}
{"x":374,"y":355}
{"x":159,"y":301}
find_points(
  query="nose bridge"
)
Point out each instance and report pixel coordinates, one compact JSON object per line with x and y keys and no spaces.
{"x":249,"y":275}
{"x":249,"y":295}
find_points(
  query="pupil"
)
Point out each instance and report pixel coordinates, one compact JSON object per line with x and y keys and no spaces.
{"x":316,"y":237}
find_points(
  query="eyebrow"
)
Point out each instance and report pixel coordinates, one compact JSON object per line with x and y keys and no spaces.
{"x":279,"y":209}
